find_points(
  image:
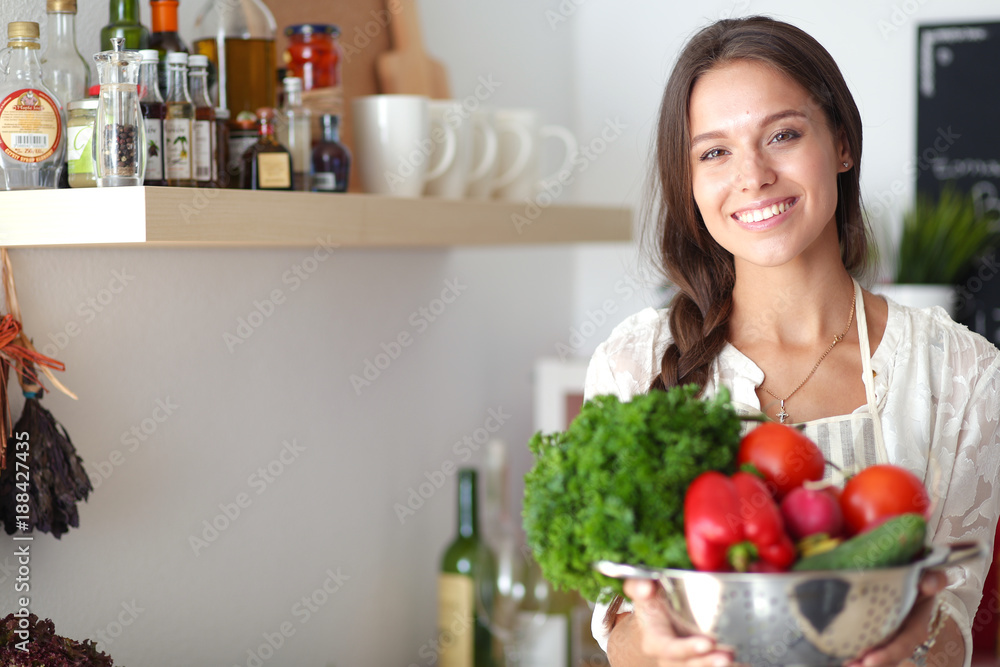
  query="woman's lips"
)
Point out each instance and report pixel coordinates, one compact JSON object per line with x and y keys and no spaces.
{"x":766,"y":216}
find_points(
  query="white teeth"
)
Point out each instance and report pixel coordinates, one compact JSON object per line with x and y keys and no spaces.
{"x":763,"y":213}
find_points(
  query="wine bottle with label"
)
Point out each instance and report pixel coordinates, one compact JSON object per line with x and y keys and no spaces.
{"x":465,"y":588}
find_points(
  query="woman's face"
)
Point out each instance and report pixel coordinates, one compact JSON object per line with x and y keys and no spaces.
{"x":764,"y":165}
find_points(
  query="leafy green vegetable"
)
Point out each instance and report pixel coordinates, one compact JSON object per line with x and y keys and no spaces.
{"x":612,"y":485}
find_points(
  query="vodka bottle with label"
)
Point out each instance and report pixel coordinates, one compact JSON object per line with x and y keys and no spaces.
{"x":205,"y":170}
{"x":153,"y":112}
{"x":178,"y":124}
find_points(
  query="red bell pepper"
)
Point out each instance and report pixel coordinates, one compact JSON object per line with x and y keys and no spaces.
{"x":734,"y":523}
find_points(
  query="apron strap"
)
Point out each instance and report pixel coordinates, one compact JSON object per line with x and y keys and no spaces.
{"x":867,"y":376}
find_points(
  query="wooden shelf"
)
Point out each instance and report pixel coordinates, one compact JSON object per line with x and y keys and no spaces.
{"x":203,"y":217}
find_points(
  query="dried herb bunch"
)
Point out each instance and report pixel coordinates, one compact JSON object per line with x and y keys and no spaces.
{"x":45,"y":647}
{"x":38,"y":444}
{"x":58,"y":479}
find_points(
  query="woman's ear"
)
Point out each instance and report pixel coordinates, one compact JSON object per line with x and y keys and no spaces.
{"x":844,"y":153}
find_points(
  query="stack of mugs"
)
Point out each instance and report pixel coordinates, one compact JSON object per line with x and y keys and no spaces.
{"x":411,"y":146}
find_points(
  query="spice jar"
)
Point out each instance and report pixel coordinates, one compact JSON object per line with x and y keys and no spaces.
{"x":81,"y":127}
{"x":314,"y":55}
{"x":121,"y":140}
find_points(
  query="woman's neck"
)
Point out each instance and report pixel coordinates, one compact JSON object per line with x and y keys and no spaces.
{"x":798,"y":304}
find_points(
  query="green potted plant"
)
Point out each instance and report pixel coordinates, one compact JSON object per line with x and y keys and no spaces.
{"x":939,"y":243}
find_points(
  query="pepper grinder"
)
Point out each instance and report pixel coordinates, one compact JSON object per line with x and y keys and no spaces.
{"x":121,"y":132}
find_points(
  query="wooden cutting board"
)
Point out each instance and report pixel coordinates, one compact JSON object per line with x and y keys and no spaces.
{"x":407,"y":69}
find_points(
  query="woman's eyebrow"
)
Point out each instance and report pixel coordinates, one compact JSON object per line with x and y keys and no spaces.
{"x":780,"y":115}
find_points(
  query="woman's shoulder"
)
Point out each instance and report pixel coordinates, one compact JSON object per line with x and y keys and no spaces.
{"x":649,"y":325}
{"x":624,"y":364}
{"x":932,"y":334}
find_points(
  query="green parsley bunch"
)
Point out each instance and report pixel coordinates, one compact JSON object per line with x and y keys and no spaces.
{"x":611,"y":486}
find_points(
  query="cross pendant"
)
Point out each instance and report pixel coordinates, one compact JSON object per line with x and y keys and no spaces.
{"x":782,"y":415}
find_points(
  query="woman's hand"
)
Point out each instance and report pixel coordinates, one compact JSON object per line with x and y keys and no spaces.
{"x":646,"y":637}
{"x":913,"y":632}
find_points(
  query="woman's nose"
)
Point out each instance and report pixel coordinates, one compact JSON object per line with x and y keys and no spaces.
{"x":755,"y":171}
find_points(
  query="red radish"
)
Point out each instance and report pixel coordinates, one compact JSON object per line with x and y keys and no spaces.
{"x":811,"y":511}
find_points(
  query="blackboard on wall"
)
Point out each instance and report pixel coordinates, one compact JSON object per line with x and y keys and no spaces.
{"x":958,"y":141}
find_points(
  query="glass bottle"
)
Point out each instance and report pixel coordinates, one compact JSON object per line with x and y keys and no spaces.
{"x":153,"y":112}
{"x":178,"y":124}
{"x":64,"y":70}
{"x":314,"y":55}
{"x":32,"y":130}
{"x":223,"y":177}
{"x":294,"y":133}
{"x":205,"y":171}
{"x":163,"y":35}
{"x":80,"y":125}
{"x":267,"y":165}
{"x":124,"y":22}
{"x":238,"y":38}
{"x":120,"y":129}
{"x":331,"y":161}
{"x":465,"y":587}
{"x":545,"y":621}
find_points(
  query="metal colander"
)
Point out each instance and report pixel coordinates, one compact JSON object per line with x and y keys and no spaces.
{"x":794,"y":618}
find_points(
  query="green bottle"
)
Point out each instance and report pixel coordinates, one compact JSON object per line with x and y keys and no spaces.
{"x":465,"y":588}
{"x":124,"y":22}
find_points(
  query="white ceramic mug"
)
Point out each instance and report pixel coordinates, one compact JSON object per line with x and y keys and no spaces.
{"x":450,"y":183}
{"x":392,"y":141}
{"x":484,"y":155}
{"x":520,"y":134}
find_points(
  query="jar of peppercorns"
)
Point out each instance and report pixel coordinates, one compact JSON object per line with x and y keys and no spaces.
{"x":120,"y":155}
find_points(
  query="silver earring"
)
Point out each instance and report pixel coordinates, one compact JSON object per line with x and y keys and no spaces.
{"x":845,"y":165}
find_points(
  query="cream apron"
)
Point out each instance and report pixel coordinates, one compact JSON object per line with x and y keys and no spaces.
{"x":852,"y":441}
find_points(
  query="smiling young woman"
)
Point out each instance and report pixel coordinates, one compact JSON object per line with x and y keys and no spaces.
{"x":759,"y":226}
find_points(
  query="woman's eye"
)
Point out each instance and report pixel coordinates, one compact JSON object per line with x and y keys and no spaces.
{"x":784,"y":135}
{"x":712,"y":154}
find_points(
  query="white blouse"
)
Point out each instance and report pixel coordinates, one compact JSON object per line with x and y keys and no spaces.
{"x":937,"y":392}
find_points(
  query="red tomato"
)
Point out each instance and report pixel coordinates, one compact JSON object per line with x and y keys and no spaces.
{"x":783,"y":455}
{"x":880,"y":492}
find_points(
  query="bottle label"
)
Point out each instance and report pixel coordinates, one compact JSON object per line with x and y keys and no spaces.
{"x":154,"y":149}
{"x":30,"y":125}
{"x":325,"y":181}
{"x":203,"y":150}
{"x":178,"y":148}
{"x":274,"y":171}
{"x":80,"y":149}
{"x":456,"y":631}
{"x":545,"y":639}
{"x":238,"y":144}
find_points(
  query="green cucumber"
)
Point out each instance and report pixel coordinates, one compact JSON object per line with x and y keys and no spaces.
{"x":895,"y":542}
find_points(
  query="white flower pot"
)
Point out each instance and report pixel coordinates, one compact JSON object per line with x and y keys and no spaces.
{"x":919,"y":296}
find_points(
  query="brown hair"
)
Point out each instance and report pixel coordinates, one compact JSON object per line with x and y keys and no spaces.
{"x":701,"y":269}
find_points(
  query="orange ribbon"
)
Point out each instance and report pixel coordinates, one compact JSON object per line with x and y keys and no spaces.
{"x":23,"y":358}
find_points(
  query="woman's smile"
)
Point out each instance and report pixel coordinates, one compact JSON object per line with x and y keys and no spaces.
{"x":765,"y":215}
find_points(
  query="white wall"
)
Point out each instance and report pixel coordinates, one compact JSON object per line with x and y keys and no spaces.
{"x":331,"y":508}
